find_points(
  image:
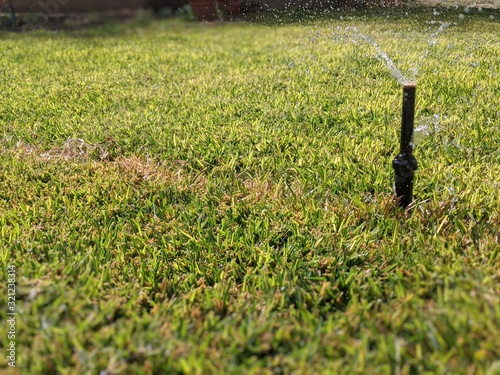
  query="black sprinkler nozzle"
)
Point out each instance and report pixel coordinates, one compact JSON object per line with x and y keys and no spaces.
{"x":405,"y":163}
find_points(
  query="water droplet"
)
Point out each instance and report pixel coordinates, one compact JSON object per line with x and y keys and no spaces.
{"x":492,"y":17}
{"x":419,"y":134}
{"x":427,"y":126}
{"x":479,"y":9}
{"x":461,"y":17}
{"x":466,"y":10}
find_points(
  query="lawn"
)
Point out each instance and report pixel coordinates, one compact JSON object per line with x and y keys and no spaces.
{"x":188,"y":198}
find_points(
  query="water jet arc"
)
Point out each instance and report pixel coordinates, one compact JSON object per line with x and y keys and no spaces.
{"x":405,"y":163}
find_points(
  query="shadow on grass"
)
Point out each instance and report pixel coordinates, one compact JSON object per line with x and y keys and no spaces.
{"x":91,"y":25}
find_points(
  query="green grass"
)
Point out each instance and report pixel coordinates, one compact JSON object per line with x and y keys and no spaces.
{"x":189,"y":198}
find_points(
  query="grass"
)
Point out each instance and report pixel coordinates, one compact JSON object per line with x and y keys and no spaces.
{"x":181,"y":197}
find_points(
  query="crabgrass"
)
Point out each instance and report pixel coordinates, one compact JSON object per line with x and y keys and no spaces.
{"x":180,"y":197}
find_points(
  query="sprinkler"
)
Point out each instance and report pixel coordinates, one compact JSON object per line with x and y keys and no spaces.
{"x":405,"y":163}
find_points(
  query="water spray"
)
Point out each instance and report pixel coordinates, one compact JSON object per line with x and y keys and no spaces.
{"x":405,"y":163}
